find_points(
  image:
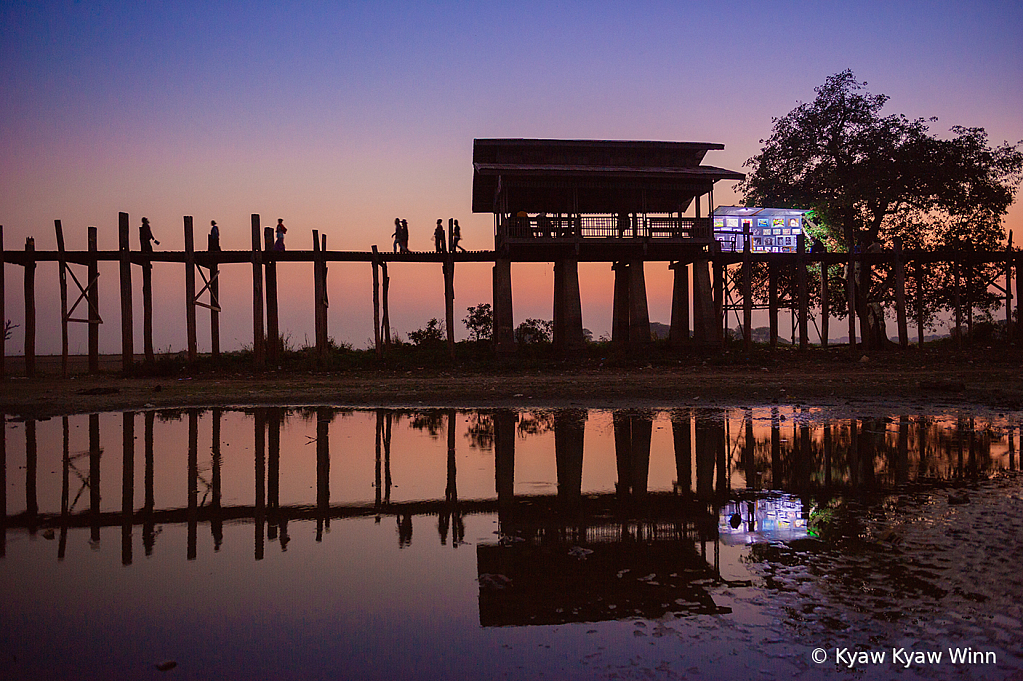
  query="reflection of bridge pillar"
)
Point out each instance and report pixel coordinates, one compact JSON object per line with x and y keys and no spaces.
{"x":193,"y":481}
{"x":504,"y":455}
{"x":323,"y":417}
{"x":95,"y":452}
{"x":3,"y":483}
{"x":705,"y":321}
{"x":216,"y":521}
{"x":569,"y":427}
{"x":148,"y":526}
{"x":259,"y":445}
{"x":632,"y":451}
{"x":568,"y":312}
{"x":748,"y":462}
{"x":127,"y":483}
{"x":679,"y":332}
{"x":681,"y":424}
{"x":504,"y":324}
{"x":710,"y":441}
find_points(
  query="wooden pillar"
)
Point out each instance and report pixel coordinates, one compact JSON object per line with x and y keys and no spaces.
{"x":900,"y":294}
{"x":62,"y":277}
{"x":863,"y":287}
{"x":801,"y":293}
{"x":215,"y":307}
{"x":258,"y":345}
{"x":274,"y":347}
{"x":449,"y":300}
{"x":958,"y":301}
{"x":1019,"y":295}
{"x":639,"y":315}
{"x":385,"y":317}
{"x":377,"y":344}
{"x":921,"y":273}
{"x":620,"y":304}
{"x":772,"y":302}
{"x":719,"y":296}
{"x":568,"y":316}
{"x":147,"y":307}
{"x":850,"y":290}
{"x":1009,"y":285}
{"x":193,"y":346}
{"x":3,"y":311}
{"x":679,"y":333}
{"x":747,"y":290}
{"x":30,"y":307}
{"x":127,"y":327}
{"x":93,"y":300}
{"x":504,"y":325}
{"x":825,"y":303}
{"x":320,"y":273}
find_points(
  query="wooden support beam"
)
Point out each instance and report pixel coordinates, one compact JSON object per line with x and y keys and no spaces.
{"x":62,"y":276}
{"x":274,"y":347}
{"x":719,"y":296}
{"x":320,"y":266}
{"x":568,"y":316}
{"x":385,"y":320}
{"x":127,"y":327}
{"x":620,"y":305}
{"x":639,"y":314}
{"x":190,"y":324}
{"x":30,"y":307}
{"x":449,"y":301}
{"x":801,"y":292}
{"x":900,"y":294}
{"x":377,"y":343}
{"x":215,"y":308}
{"x":825,"y":303}
{"x":258,"y":344}
{"x":850,"y":291}
{"x":3,"y":311}
{"x":679,"y":333}
{"x":772,"y":302}
{"x":94,"y":318}
{"x":747,"y":290}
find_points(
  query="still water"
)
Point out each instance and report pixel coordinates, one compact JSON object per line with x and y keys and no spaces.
{"x":328,"y":543}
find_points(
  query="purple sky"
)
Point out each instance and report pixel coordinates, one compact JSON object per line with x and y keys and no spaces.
{"x":342,"y":119}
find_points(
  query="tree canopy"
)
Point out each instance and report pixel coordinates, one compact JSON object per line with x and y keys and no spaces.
{"x":870,"y":177}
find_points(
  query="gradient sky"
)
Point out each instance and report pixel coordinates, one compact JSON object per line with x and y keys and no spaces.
{"x":342,"y":116}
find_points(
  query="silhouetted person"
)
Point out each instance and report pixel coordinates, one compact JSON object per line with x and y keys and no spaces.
{"x":214,"y":239}
{"x":623,"y":224}
{"x":397,"y":234}
{"x":146,"y":237}
{"x":438,"y":238}
{"x":456,"y":237}
{"x":281,"y":231}
{"x":817,"y":246}
{"x":404,"y":236}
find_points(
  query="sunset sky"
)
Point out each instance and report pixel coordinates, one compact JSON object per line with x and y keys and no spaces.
{"x":342,"y":116}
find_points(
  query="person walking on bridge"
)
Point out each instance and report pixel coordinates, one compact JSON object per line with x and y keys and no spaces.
{"x":438,"y":238}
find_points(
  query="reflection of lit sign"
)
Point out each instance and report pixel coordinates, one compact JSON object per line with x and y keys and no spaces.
{"x":778,"y":518}
{"x":771,"y":230}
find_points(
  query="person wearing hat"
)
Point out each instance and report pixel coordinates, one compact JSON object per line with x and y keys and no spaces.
{"x":281,"y":231}
{"x":214,"y":238}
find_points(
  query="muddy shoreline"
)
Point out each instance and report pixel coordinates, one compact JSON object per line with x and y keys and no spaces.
{"x":983,"y":380}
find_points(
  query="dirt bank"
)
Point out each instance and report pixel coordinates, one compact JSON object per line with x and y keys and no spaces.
{"x":984,"y":378}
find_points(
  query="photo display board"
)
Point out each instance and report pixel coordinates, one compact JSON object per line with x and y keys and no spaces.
{"x":772,"y":230}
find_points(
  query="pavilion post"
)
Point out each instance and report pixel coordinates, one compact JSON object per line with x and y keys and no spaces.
{"x":825,"y":303}
{"x":620,"y":304}
{"x":639,"y":314}
{"x":568,"y":317}
{"x":679,"y":333}
{"x":124,"y":259}
{"x":772,"y":302}
{"x":747,"y":289}
{"x":504,"y":325}
{"x":719,"y":296}
{"x":850,"y":290}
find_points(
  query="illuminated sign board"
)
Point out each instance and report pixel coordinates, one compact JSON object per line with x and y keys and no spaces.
{"x":771,"y":230}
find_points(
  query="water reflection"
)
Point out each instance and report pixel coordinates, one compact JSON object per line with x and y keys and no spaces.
{"x":598,"y":516}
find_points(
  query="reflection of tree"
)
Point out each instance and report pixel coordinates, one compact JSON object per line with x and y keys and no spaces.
{"x":481,"y":431}
{"x":431,"y":421}
{"x":536,"y":422}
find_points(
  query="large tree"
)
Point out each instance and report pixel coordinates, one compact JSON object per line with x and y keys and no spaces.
{"x":870,"y":177}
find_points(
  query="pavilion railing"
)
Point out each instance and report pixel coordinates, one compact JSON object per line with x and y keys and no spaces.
{"x":542,"y":227}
